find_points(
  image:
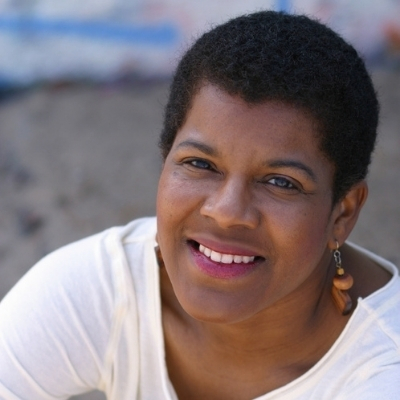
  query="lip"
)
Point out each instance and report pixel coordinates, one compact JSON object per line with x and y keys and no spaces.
{"x":220,"y":270}
{"x":225,"y":247}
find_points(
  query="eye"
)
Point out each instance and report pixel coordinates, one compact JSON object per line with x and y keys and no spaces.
{"x":199,"y":163}
{"x":282,"y":183}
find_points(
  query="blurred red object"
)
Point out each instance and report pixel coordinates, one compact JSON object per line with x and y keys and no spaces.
{"x":392,"y":33}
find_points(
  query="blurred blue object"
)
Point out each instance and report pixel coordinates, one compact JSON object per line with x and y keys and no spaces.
{"x":157,"y":35}
{"x":283,"y":5}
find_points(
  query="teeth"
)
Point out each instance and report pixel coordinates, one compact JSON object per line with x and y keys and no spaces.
{"x":216,"y":256}
{"x":237,"y":259}
{"x":224,"y":258}
{"x":227,"y":258}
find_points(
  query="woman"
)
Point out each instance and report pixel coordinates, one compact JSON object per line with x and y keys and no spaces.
{"x":243,"y":287}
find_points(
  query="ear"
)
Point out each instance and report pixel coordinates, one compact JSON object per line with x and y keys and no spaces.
{"x":345,"y":213}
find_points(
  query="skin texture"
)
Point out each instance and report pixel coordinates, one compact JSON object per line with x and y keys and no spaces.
{"x":249,"y":179}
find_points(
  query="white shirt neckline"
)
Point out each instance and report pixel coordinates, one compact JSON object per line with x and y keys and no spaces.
{"x":168,"y":388}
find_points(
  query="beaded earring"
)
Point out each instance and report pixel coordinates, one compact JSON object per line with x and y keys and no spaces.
{"x":341,"y":283}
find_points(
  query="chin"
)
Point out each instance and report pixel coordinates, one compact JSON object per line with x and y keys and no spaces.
{"x":208,"y":305}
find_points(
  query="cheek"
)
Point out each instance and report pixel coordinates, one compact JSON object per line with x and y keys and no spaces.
{"x":177,"y":201}
{"x":310,"y":224}
{"x":299,"y":231}
{"x":170,"y":195}
{"x":177,"y":194}
{"x":165,"y":207}
{"x":314,"y":242}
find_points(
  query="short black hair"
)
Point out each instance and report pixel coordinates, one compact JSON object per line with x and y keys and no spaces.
{"x":275,"y":56}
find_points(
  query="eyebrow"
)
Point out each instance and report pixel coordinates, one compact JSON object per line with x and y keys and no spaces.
{"x":199,"y":146}
{"x":206,"y":149}
{"x":293,"y":164}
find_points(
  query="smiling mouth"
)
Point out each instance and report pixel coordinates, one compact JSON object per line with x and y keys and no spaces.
{"x":223,"y":257}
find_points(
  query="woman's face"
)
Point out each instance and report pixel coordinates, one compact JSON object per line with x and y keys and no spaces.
{"x":244,"y":207}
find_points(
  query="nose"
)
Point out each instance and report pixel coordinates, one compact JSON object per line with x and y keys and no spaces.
{"x":231,"y":205}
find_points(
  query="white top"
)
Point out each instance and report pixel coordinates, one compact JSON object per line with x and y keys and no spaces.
{"x":88,"y":316}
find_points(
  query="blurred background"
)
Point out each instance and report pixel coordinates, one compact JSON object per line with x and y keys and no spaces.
{"x":82,"y":90}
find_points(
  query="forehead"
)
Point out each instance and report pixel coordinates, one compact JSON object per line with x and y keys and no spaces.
{"x":229,"y":119}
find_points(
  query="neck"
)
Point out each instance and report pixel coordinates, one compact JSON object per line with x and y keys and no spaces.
{"x":298,"y":329}
{"x":292,"y":330}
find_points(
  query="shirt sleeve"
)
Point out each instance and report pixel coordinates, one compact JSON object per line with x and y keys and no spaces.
{"x":55,"y":326}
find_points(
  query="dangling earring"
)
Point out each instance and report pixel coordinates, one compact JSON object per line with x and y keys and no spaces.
{"x":341,"y":282}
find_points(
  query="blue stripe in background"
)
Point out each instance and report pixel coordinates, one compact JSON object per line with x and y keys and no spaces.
{"x":283,"y":5}
{"x":158,"y":35}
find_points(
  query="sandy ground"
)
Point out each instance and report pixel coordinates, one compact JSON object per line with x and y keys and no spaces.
{"x":76,"y":160}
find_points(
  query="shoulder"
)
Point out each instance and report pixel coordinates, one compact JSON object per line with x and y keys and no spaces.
{"x":94,"y":267}
{"x":379,"y":309}
{"x":92,"y":261}
{"x":76,"y":312}
{"x":365,"y":360}
{"x":370,"y":345}
{"x":364,"y":363}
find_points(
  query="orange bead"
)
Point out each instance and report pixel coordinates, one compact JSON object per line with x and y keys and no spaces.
{"x":342,"y":300}
{"x":343,"y":282}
